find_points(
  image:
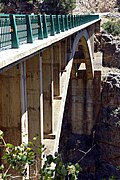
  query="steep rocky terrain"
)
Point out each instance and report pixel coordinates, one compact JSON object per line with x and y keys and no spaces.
{"x":82,"y":6}
{"x":95,"y":6}
{"x":108,"y":127}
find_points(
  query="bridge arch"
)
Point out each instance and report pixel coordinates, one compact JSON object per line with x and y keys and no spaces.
{"x":82,"y":39}
{"x":81,"y":85}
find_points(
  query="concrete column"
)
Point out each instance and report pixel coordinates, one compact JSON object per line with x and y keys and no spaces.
{"x":69,"y":46}
{"x":34,"y":97}
{"x":47,"y":75}
{"x":41,"y":99}
{"x":24,"y":118}
{"x":63,"y":54}
{"x":97,"y":95}
{"x":57,"y":69}
{"x":89,"y":107}
{"x":77,"y":101}
{"x":82,"y":98}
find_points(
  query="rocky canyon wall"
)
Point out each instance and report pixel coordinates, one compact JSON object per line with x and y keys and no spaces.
{"x":84,"y":6}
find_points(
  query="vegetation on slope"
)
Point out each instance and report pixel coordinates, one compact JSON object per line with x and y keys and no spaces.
{"x":112,"y":27}
{"x":36,"y":6}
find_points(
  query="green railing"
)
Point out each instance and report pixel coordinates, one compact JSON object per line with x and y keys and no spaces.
{"x":17,"y":29}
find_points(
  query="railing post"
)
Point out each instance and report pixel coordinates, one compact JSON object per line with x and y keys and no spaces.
{"x":14,"y":35}
{"x":66,"y":22}
{"x":62,"y":23}
{"x":69,"y":21}
{"x":29,"y":29}
{"x":45,"y":30}
{"x":72,"y":21}
{"x":52,"y":25}
{"x":77,"y":20}
{"x":40,"y":30}
{"x":57,"y":24}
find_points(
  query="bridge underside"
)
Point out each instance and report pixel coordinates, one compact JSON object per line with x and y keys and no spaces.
{"x":33,"y":92}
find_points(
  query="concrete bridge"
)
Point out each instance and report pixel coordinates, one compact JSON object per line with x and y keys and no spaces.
{"x":45,"y":59}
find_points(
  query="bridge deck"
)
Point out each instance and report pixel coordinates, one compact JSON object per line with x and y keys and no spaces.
{"x":10,"y":56}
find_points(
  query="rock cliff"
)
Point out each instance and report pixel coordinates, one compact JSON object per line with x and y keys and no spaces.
{"x":108,"y":126}
{"x":85,"y":6}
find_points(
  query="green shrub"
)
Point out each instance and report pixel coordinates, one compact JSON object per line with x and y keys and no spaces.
{"x":112,"y":27}
{"x":17,"y":157}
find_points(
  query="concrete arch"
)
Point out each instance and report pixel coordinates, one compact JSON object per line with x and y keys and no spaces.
{"x":81,"y":85}
{"x":84,"y":39}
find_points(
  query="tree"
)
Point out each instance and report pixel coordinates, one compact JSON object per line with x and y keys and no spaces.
{"x":68,"y":5}
{"x":58,"y":6}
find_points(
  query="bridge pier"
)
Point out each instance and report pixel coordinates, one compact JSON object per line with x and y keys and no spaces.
{"x":57,"y":69}
{"x":34,"y":98}
{"x":24,"y":108}
{"x":78,"y":102}
{"x":89,"y":106}
{"x":63,"y":54}
{"x":47,"y":75}
{"x":69,"y":47}
{"x":85,"y":94}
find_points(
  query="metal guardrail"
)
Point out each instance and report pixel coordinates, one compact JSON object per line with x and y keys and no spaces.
{"x":16,"y":29}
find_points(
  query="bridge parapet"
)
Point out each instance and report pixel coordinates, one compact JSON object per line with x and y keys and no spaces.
{"x":16,"y":29}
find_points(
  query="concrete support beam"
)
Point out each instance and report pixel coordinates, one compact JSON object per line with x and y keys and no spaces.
{"x":78,"y":101}
{"x":24,"y":118}
{"x":57,"y":69}
{"x":34,"y":98}
{"x":47,"y":75}
{"x":24,"y":109}
{"x":82,"y":95}
{"x":69,"y":47}
{"x":97,"y":95}
{"x":89,"y":107}
{"x":63,"y":54}
{"x":41,"y":99}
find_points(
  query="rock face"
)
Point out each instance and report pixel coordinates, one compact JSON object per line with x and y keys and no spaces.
{"x":108,"y":129}
{"x":111,"y":51}
{"x":95,"y":5}
{"x":110,"y":46}
{"x":82,"y":6}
